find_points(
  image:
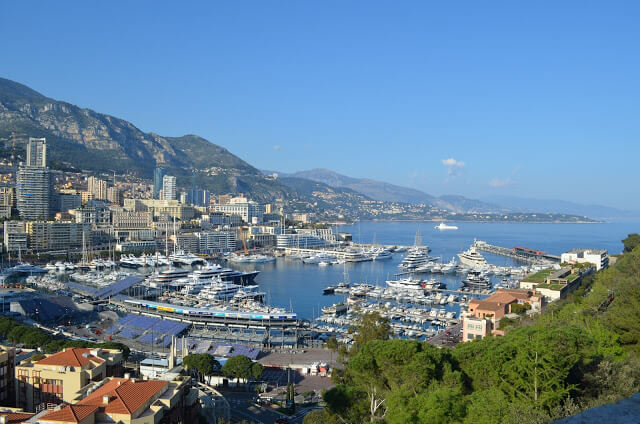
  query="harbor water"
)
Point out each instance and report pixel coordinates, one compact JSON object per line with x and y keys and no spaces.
{"x":291,"y":283}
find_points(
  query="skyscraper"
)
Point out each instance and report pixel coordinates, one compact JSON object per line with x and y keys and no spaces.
{"x":169,"y":187}
{"x":37,"y":152}
{"x":158,"y":174}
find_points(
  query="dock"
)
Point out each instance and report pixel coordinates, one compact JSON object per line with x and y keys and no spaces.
{"x":518,"y":254}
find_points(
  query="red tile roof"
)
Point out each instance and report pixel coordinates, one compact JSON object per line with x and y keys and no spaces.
{"x":125,"y":396}
{"x":16,"y":417}
{"x":70,"y":413}
{"x":71,"y":357}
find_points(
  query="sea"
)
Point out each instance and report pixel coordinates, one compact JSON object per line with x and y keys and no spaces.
{"x":296,"y":286}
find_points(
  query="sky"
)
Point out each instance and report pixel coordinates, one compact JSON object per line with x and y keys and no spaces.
{"x":495,"y":98}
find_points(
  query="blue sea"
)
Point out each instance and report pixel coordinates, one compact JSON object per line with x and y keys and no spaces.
{"x":290,"y":283}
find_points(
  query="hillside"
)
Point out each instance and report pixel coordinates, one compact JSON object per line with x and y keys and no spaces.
{"x":87,"y":140}
{"x":379,"y":190}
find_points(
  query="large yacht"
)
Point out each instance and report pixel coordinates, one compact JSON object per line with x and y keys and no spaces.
{"x":167,"y":277}
{"x":182,"y":258}
{"x":472,"y":258}
{"x":225,"y":274}
{"x":417,"y":257}
{"x":476,"y":281}
{"x":219,"y":290}
{"x":406,"y":284}
{"x":379,"y":253}
{"x":320,"y":257}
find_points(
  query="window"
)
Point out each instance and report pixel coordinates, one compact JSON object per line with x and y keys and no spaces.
{"x":478,"y":336}
{"x":470,"y":336}
{"x":478,"y":327}
{"x":470,"y":326}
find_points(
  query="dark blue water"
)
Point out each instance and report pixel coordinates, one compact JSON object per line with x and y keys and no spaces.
{"x":290,"y":282}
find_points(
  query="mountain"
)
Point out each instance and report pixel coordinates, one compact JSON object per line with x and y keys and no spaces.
{"x":379,"y":190}
{"x":87,"y":140}
{"x":523,"y":204}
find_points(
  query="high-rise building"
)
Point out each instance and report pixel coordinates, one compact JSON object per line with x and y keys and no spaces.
{"x":34,"y":188}
{"x":169,"y":187}
{"x":98,"y":187}
{"x":114,"y":196}
{"x":158,"y":175}
{"x":37,"y":152}
{"x":34,"y":184}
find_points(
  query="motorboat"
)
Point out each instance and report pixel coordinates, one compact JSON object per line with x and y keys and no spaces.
{"x":445,"y":227}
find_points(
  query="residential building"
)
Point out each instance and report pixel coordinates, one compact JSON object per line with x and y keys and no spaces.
{"x":224,"y":199}
{"x":555,"y":284}
{"x":34,"y":188}
{"x":216,"y":242}
{"x":599,"y":258}
{"x":159,"y":208}
{"x":98,"y":187}
{"x":15,"y":236}
{"x":59,"y":377}
{"x":197,"y":197}
{"x":36,"y":153}
{"x":158,"y":175}
{"x":86,"y":197}
{"x":130,"y":401}
{"x":307,"y":240}
{"x":96,"y":216}
{"x":51,"y":235}
{"x":66,"y":202}
{"x":169,"y":187}
{"x":7,"y":373}
{"x":483,"y":316}
{"x":136,"y":246}
{"x":114,"y":195}
{"x":300,"y":217}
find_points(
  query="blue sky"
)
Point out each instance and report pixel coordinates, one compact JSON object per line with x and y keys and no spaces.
{"x":535,"y":99}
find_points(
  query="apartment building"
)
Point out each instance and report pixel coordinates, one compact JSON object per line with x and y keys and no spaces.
{"x":59,"y":377}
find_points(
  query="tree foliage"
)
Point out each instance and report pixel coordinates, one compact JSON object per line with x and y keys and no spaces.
{"x":241,"y":367}
{"x":202,"y":363}
{"x":581,"y":352}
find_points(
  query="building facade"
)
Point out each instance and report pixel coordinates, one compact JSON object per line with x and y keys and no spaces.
{"x":600,"y":258}
{"x":98,"y":187}
{"x":158,"y":175}
{"x":169,"y":188}
{"x":36,"y":152}
{"x":48,"y":235}
{"x":34,"y":188}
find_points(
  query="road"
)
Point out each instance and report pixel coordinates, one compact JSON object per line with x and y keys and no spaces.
{"x":244,"y":406}
{"x":449,"y":337}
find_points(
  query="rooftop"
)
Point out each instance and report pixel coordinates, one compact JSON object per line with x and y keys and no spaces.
{"x":71,"y":357}
{"x":70,"y":413}
{"x":15,"y":417}
{"x":125,"y":396}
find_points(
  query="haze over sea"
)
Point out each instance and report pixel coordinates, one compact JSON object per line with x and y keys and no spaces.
{"x":292,"y":283}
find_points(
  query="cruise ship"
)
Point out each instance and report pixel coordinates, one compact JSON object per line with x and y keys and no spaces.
{"x":472,"y":258}
{"x":416,"y":258}
{"x":476,"y":281}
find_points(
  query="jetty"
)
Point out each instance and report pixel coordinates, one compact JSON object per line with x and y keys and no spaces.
{"x":518,"y":253}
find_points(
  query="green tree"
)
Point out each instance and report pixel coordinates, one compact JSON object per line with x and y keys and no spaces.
{"x":631,"y":242}
{"x":238,"y":367}
{"x":203,"y":363}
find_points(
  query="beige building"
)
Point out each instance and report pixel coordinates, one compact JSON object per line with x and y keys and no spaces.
{"x":59,"y":377}
{"x":51,"y":235}
{"x":15,"y":236}
{"x":129,"y":401}
{"x":98,"y":187}
{"x":156,"y":207}
{"x":7,"y":372}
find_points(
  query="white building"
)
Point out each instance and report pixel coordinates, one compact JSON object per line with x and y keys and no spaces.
{"x":600,"y":258}
{"x":216,"y":242}
{"x":98,"y":187}
{"x":169,"y":187}
{"x":250,"y":211}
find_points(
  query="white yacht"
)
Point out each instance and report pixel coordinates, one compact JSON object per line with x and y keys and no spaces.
{"x":220,"y":290}
{"x":182,"y":258}
{"x":444,"y":227}
{"x":416,"y":258}
{"x":472,"y":258}
{"x":450,"y":267}
{"x":320,"y":257}
{"x":379,"y":253}
{"x":168,"y":276}
{"x":406,"y":284}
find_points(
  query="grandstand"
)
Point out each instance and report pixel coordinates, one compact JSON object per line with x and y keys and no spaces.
{"x":149,"y":330}
{"x":221,"y":349}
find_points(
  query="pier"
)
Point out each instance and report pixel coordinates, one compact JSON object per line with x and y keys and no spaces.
{"x":521,"y":254}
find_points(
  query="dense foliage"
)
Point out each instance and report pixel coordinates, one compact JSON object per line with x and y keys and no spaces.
{"x":241,"y":367}
{"x":581,"y":352}
{"x":33,"y":338}
{"x":202,"y":363}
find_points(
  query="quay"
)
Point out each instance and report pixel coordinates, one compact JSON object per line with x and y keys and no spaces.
{"x":518,"y":253}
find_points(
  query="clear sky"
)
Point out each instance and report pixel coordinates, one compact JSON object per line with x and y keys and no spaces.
{"x":479,"y":98}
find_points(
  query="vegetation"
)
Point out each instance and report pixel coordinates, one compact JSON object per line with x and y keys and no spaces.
{"x":241,"y":367}
{"x":631,"y":242}
{"x":33,"y":338}
{"x":581,"y":352}
{"x":202,"y":363}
